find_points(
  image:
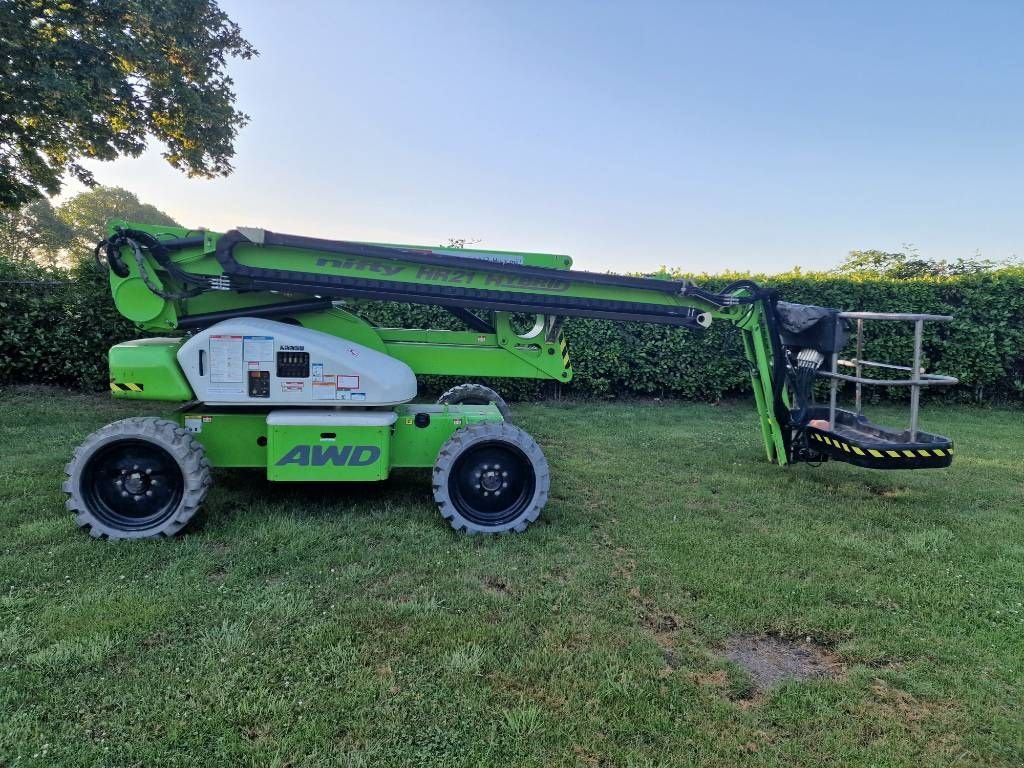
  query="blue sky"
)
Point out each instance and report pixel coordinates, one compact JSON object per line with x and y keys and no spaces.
{"x":701,"y":135}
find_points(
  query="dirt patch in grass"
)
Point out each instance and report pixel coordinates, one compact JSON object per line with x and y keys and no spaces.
{"x":905,"y":706}
{"x":495,"y":586}
{"x":771,"y":660}
{"x":888,"y":491}
{"x":663,"y":627}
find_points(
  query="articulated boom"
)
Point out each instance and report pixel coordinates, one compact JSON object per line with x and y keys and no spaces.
{"x":276,"y":369}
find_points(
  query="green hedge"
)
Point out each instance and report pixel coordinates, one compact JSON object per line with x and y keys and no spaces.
{"x":59,"y":335}
{"x":56,"y":327}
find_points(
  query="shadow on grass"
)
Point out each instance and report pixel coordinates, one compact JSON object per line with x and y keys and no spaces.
{"x":248,"y":492}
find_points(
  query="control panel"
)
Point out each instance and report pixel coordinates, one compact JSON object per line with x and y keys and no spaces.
{"x":259,"y":383}
{"x":292,"y":365}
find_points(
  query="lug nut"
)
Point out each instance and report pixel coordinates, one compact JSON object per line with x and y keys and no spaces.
{"x":149,"y":493}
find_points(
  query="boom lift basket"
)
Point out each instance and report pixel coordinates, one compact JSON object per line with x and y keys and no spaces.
{"x":850,"y":436}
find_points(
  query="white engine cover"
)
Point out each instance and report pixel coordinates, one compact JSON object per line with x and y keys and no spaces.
{"x":253,"y":361}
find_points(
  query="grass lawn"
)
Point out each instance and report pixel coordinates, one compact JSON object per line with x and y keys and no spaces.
{"x":347,"y":625}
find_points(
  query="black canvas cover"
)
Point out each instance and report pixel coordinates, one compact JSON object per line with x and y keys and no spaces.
{"x":806,"y":325}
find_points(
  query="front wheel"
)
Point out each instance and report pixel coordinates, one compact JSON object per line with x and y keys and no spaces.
{"x":491,"y":478}
{"x":137,"y":479}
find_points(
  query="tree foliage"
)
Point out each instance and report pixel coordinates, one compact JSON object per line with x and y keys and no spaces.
{"x":92,"y":79}
{"x":909,"y":263}
{"x":34,"y":231}
{"x":38,"y":231}
{"x":87,"y":214}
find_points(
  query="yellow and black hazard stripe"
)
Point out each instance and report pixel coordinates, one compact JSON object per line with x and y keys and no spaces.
{"x":565,"y":351}
{"x":882,"y":456}
{"x":118,"y":387}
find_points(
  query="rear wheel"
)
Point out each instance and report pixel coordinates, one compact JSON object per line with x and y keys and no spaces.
{"x":136,"y":479}
{"x":476,"y":394}
{"x":491,"y":478}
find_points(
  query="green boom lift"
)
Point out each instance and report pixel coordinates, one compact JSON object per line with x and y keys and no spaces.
{"x":271,"y":369}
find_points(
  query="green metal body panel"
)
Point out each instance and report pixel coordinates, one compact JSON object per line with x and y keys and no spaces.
{"x":413,"y":446}
{"x":237,"y":439}
{"x":301,"y":453}
{"x":758,"y":351}
{"x":452,"y":353}
{"x":147,"y":369}
{"x":526,"y":258}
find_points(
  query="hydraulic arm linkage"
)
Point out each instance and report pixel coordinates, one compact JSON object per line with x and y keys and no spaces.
{"x":276,"y":371}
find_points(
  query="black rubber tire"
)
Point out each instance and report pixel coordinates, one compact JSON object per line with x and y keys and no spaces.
{"x":451,"y":471}
{"x":476,"y":394}
{"x":184,"y":463}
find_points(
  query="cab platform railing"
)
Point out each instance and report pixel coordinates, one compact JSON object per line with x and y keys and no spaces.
{"x":918,"y":378}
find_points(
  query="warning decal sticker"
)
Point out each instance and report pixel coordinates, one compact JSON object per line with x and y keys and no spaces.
{"x":324,"y":390}
{"x":226,"y":360}
{"x":259,"y":349}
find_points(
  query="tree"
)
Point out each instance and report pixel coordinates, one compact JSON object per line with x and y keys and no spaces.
{"x":899,"y":264}
{"x":908,"y":263}
{"x":35,"y":232}
{"x":86,"y":214}
{"x":92,"y":79}
{"x":39,"y":232}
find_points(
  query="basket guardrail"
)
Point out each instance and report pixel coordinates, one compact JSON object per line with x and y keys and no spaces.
{"x":918,"y":377}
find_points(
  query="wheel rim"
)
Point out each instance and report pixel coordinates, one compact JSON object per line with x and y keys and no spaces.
{"x":132,"y":484}
{"x":492,"y":483}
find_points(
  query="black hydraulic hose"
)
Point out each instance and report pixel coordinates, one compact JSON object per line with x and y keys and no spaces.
{"x":726,"y":297}
{"x":137,"y":240}
{"x":738,"y":284}
{"x":159,"y":250}
{"x":284,"y":309}
{"x":111,"y":248}
{"x":178,"y":243}
{"x":803,"y":388}
{"x":148,"y":280}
